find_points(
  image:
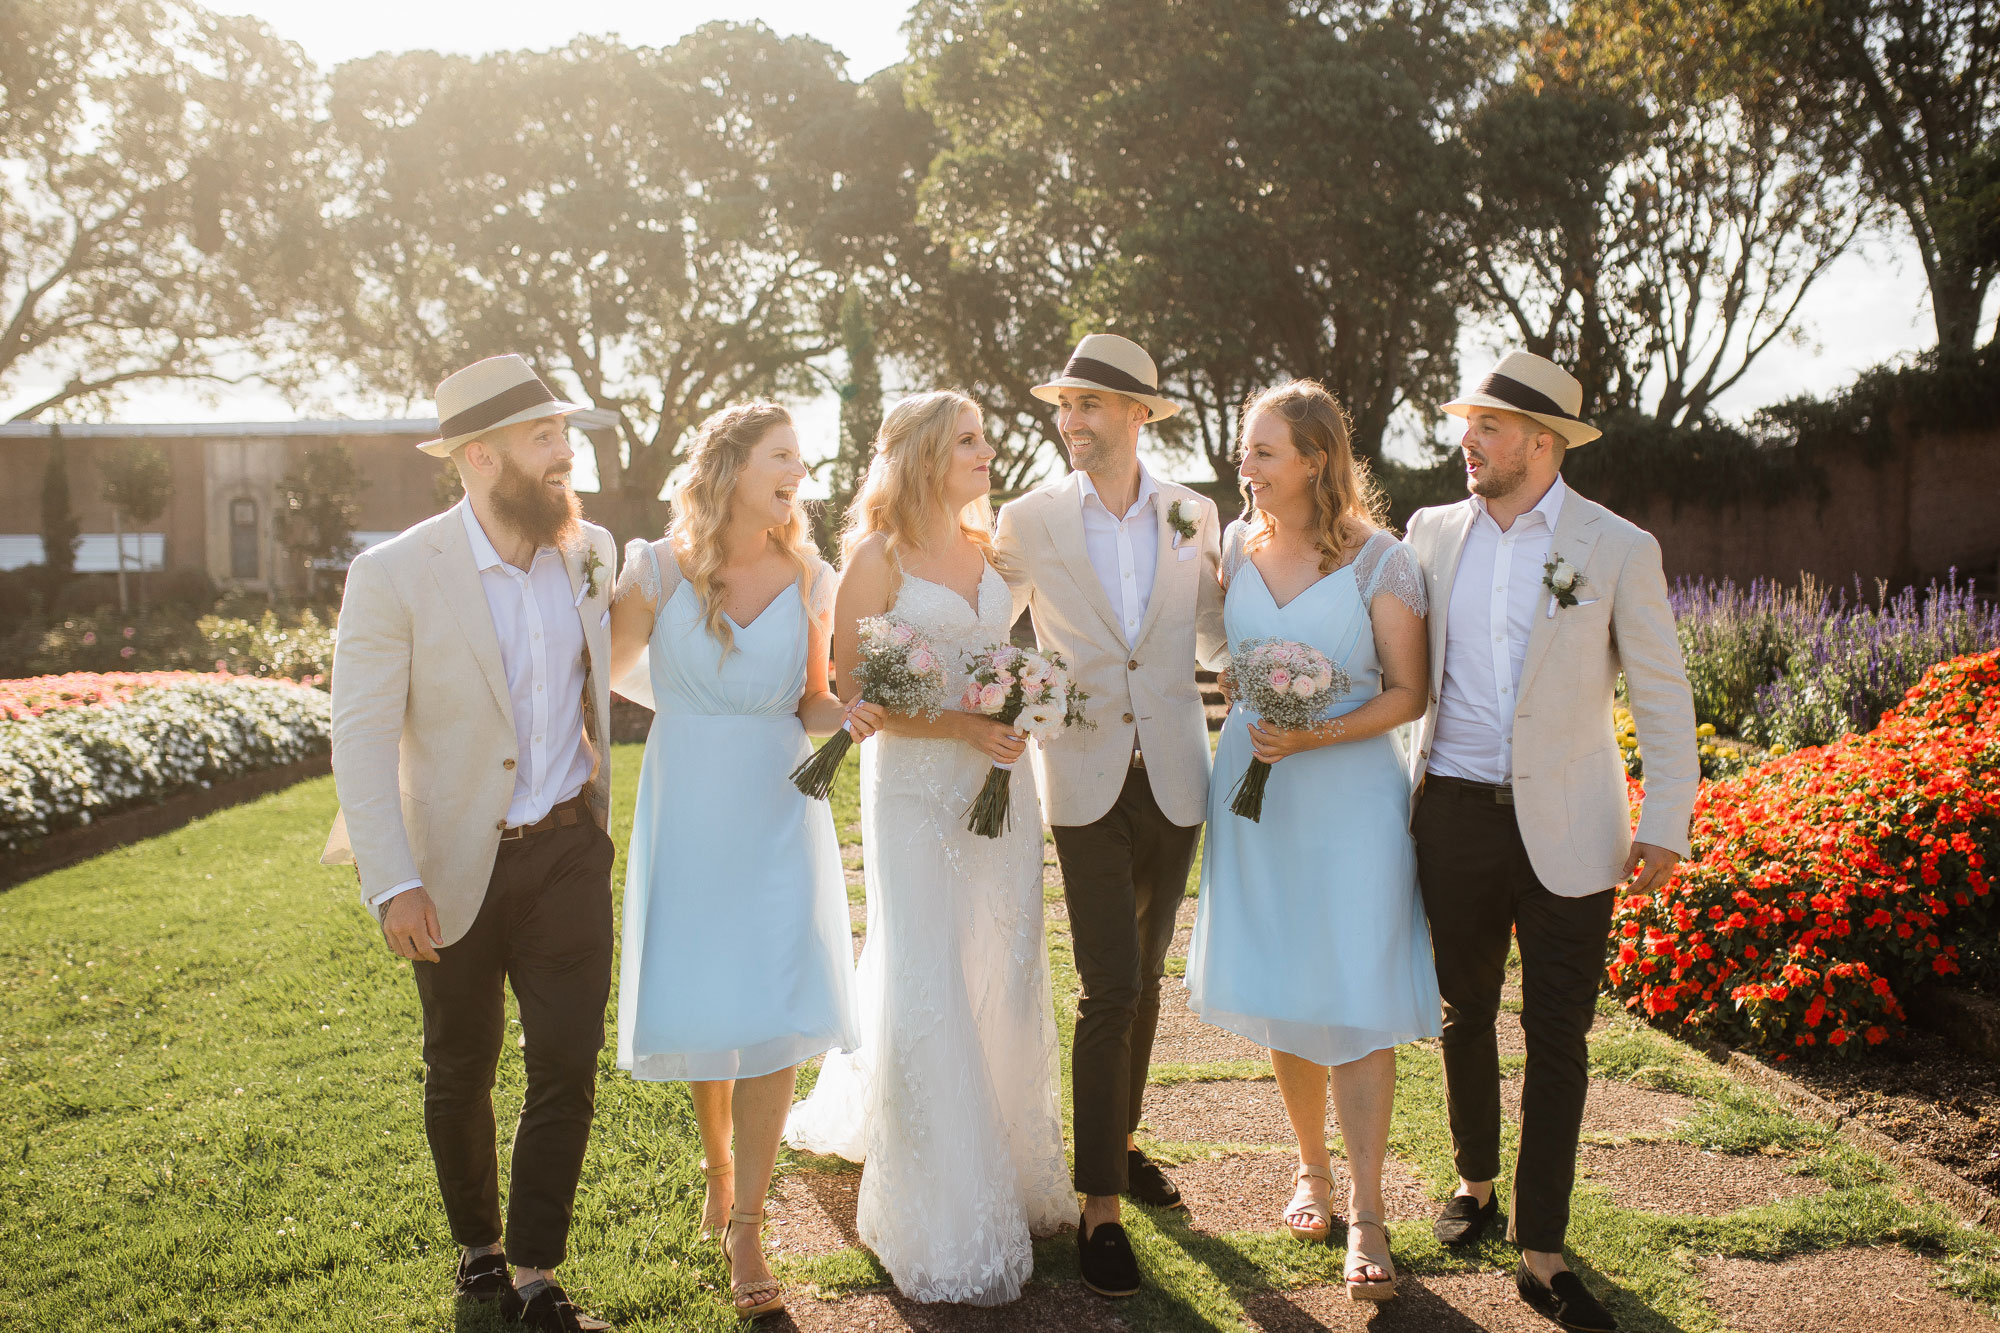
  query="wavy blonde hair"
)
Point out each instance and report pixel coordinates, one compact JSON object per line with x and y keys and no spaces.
{"x":1348,"y":507}
{"x":904,"y":490}
{"x":722,"y":445}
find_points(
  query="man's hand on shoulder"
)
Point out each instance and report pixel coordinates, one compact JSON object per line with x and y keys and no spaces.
{"x":410,"y":925}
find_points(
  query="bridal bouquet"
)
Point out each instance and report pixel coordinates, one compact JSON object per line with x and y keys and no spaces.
{"x":899,"y":670}
{"x":1291,"y":686}
{"x":1028,"y":689}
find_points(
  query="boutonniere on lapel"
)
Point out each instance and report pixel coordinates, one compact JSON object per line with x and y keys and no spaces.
{"x":1182,"y":525}
{"x":593,"y":571}
{"x":1562,"y":579}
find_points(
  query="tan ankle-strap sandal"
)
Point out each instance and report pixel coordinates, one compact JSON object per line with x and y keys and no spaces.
{"x":751,"y":1299}
{"x":1361,"y":1253}
{"x":1311,"y":1204}
{"x":715,"y":1173}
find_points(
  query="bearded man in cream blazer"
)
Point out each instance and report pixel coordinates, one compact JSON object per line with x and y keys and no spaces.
{"x":473,"y":766}
{"x":1119,"y":572}
{"x":1539,"y":600}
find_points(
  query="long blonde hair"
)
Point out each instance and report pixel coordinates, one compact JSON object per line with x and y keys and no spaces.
{"x":904,"y":490}
{"x":1348,"y":507}
{"x":715,"y":460}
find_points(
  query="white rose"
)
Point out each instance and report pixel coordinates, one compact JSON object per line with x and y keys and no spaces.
{"x":1563,"y":577}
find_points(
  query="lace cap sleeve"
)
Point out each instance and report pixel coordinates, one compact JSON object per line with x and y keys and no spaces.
{"x":641,"y":571}
{"x":1387,"y":565}
{"x":819,"y":597}
{"x":1233,"y":538}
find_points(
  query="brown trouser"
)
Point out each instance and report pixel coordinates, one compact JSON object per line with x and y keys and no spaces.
{"x":1479,"y":889}
{"x":1123,"y":879}
{"x":545,"y":927}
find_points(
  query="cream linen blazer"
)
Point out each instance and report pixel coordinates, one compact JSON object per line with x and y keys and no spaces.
{"x":423,"y":727}
{"x":1147,"y":689}
{"x":1569,"y":779}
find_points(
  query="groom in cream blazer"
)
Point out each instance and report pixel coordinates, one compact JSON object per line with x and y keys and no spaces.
{"x":1118,"y":570}
{"x":1539,"y":599}
{"x":473,"y":767}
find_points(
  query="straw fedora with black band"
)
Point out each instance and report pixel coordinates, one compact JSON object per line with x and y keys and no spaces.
{"x":1107,"y":361}
{"x":1535,"y":387}
{"x":486,"y":395}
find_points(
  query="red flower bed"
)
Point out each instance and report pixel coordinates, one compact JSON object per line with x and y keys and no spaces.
{"x":36,"y":695}
{"x":1826,"y":883}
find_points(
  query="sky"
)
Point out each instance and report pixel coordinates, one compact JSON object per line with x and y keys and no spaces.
{"x":1869,"y":307}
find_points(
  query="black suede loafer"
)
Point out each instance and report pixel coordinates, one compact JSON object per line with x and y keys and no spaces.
{"x":1148,"y":1184}
{"x":1565,"y":1300}
{"x":1463,"y":1221}
{"x":1106,"y":1258}
{"x":547,"y":1308}
{"x":483,"y":1277}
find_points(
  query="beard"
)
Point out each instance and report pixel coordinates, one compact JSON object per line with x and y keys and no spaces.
{"x":1495,"y":483}
{"x":544,"y":515}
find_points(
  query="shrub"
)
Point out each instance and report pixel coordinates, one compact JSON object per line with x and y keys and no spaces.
{"x":294,"y":646}
{"x":72,"y":764}
{"x":1826,"y":883}
{"x":23,"y":699}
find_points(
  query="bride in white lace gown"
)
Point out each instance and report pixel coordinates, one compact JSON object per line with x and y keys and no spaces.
{"x":951,"y":1100}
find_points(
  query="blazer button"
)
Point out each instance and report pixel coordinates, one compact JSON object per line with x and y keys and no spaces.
{"x":1133,"y":665}
{"x":507,"y":764}
{"x":1128,"y":717}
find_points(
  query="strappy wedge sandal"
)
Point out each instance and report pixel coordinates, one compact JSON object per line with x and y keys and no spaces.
{"x":1360,"y":1255}
{"x":1306,"y":1202}
{"x":752,"y":1300}
{"x":715,"y":1173}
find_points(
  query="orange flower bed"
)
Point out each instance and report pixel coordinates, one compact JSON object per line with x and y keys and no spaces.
{"x":36,"y":695}
{"x":1826,"y":883}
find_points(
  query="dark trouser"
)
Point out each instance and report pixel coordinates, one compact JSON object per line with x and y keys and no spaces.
{"x":1478,"y":887}
{"x":546,"y":928}
{"x":1123,"y":878}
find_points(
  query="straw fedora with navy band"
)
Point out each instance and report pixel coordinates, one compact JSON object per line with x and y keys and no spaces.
{"x":486,"y":395}
{"x":1107,"y":361}
{"x":1533,"y":386}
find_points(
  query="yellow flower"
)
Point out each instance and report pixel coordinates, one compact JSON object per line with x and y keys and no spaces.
{"x":1705,"y":730}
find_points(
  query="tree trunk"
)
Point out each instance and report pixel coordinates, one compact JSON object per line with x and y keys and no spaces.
{"x":118,"y":536}
{"x":1955,"y":302}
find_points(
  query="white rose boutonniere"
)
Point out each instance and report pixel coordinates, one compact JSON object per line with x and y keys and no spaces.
{"x":1181,"y":523}
{"x":1563,"y":580}
{"x":593,"y":574}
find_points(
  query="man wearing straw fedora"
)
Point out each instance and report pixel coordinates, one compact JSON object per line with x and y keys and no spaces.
{"x":473,"y":767}
{"x":1539,"y":600}
{"x":1119,"y":571}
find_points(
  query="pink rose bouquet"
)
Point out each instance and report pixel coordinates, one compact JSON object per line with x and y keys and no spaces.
{"x":901,"y":671}
{"x":1291,"y":687}
{"x":1025,"y":688}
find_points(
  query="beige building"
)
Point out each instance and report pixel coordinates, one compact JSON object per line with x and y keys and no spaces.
{"x":220,"y":517}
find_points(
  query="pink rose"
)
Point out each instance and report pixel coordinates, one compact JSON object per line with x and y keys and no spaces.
{"x":972,"y":696}
{"x":1305,"y":687}
{"x":1281,"y":679}
{"x":127,"y":651}
{"x":129,"y":631}
{"x":901,"y":634}
{"x":89,"y":637}
{"x":992,"y":698}
{"x":922,"y":662}
{"x":1002,"y":676}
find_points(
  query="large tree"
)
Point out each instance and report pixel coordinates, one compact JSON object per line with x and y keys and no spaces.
{"x":650,"y":227}
{"x":1253,"y":191}
{"x":162,"y":195}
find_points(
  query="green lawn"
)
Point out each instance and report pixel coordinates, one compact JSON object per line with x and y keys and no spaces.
{"x":210,"y":1118}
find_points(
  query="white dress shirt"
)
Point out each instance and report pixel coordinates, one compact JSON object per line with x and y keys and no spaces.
{"x":1494,"y":600}
{"x":541,"y":649}
{"x":1125,"y":551}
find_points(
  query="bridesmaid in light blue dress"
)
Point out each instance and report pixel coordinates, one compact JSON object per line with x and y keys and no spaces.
{"x":1310,"y":938}
{"x":737,"y":961}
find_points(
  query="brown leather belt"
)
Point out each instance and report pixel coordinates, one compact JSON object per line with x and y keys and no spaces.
{"x":1500,"y":793}
{"x":567,"y":815}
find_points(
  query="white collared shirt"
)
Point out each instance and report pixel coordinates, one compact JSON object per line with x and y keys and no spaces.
{"x":541,"y":650}
{"x":1494,"y":598}
{"x":1124,"y":550}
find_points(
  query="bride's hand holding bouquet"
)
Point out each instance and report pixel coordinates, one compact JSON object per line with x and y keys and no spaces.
{"x":899,"y":672}
{"x":1029,"y":691}
{"x":1291,"y":686}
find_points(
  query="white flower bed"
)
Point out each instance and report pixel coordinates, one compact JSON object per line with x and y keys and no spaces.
{"x":68,"y":766}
